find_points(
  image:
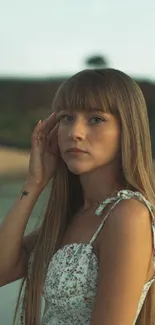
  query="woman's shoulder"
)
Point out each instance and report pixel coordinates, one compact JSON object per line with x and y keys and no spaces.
{"x":125,"y":249}
{"x":128,"y":224}
{"x":131,"y":200}
{"x":130,"y":208}
{"x":127,"y":201}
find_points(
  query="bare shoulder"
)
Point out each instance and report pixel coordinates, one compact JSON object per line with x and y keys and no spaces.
{"x":129,"y":221}
{"x":125,"y":249}
{"x":129,"y":213}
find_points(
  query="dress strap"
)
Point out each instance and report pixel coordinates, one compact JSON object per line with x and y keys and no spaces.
{"x":123,"y":195}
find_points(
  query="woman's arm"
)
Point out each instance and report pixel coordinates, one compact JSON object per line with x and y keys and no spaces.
{"x":14,"y":249}
{"x":125,"y":253}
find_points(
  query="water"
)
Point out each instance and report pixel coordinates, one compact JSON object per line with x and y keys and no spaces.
{"x":8,"y":193}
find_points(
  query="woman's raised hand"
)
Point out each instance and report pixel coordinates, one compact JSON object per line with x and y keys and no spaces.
{"x":44,"y":151}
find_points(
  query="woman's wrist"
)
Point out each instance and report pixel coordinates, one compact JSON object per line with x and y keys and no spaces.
{"x":31,"y":186}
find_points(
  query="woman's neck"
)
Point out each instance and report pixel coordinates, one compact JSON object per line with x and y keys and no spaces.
{"x":99,"y":185}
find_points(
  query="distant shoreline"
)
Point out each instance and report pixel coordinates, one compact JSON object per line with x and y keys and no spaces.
{"x":13,"y":163}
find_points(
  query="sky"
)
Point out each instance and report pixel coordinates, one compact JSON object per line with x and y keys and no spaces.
{"x":44,"y":38}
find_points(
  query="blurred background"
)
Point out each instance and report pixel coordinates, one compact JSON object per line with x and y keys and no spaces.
{"x":41,"y":44}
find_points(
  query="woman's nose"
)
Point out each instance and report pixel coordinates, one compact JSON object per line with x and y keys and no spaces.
{"x":77,"y":131}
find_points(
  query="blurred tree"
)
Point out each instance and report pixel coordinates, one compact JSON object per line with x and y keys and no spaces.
{"x":96,"y":62}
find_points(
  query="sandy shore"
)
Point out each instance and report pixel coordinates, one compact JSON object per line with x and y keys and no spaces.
{"x":13,"y":163}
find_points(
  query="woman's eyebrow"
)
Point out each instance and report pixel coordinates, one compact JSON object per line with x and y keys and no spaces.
{"x":61,"y":112}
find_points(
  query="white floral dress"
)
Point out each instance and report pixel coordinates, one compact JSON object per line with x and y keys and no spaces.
{"x":72,"y":276}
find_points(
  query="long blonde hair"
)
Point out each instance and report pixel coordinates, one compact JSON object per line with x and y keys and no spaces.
{"x":115,"y":92}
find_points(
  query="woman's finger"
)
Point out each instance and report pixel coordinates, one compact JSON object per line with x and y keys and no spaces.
{"x":53,"y":132}
{"x":48,"y":124}
{"x":53,"y":139}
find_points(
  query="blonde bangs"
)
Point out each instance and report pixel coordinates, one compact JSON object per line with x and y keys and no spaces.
{"x":85,"y":91}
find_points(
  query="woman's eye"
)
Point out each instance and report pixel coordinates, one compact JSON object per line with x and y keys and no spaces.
{"x":66,"y":118}
{"x":96,"y":119}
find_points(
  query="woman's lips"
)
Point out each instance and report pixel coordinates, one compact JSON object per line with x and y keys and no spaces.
{"x":76,"y":150}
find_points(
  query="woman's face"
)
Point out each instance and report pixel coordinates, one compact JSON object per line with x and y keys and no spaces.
{"x":88,"y":140}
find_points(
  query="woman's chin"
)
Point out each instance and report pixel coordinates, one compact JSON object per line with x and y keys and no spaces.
{"x":77,"y":170}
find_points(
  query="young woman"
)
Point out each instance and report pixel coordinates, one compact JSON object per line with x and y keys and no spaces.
{"x":92,"y":259}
